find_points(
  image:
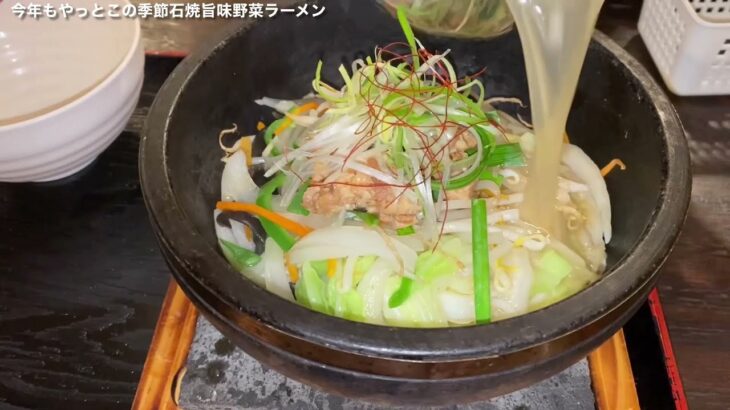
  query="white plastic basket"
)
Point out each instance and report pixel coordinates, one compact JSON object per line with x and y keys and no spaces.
{"x":689,"y":41}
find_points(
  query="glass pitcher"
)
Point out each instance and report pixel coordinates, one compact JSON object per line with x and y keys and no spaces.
{"x":457,"y":18}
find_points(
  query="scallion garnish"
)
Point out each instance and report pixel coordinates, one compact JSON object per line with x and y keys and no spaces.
{"x":480,"y":257}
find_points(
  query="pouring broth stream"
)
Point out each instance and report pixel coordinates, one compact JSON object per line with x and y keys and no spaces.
{"x":555,"y":36}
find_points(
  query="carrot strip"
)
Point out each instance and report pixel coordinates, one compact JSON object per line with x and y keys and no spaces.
{"x":331,"y":267}
{"x":611,"y":165}
{"x":247,"y":148}
{"x":292,"y":269}
{"x":297,"y":111}
{"x":260,"y":125}
{"x":286,"y":223}
{"x":293,"y":273}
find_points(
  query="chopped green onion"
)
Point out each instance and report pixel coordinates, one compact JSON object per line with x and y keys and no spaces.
{"x":405,"y":231}
{"x":296,"y":206}
{"x":402,"y":293}
{"x":489,"y":176}
{"x":506,"y":155}
{"x":368,"y":218}
{"x":480,"y":250}
{"x":241,"y":258}
{"x":487,"y":140}
{"x":400,"y":159}
{"x":410,"y":37}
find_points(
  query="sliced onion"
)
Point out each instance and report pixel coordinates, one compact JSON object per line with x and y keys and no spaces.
{"x":305,"y":120}
{"x":571,"y":186}
{"x":587,"y":171}
{"x":349,"y":241}
{"x":365,"y":170}
{"x":490,"y":186}
{"x":511,"y":177}
{"x":507,"y":199}
{"x":290,"y":188}
{"x":459,"y":204}
{"x":348,"y":272}
{"x":239,"y":233}
{"x":590,"y":213}
{"x":372,"y":288}
{"x":464,"y":225}
{"x":455,"y":215}
{"x":534,"y":242}
{"x":506,"y":215}
{"x":497,"y":253}
{"x":522,"y":278}
{"x":527,"y":143}
{"x":567,"y":253}
{"x":414,"y":242}
{"x":430,"y":64}
{"x":342,"y":130}
{"x":283,"y":106}
{"x":275,"y":273}
{"x":457,"y":307}
{"x":222,"y":232}
{"x":236,"y":183}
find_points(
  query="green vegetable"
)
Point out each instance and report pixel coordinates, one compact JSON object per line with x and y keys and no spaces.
{"x":269,"y":134}
{"x":400,"y":159}
{"x":283,"y":238}
{"x":362,"y":266}
{"x":568,"y":286}
{"x":430,"y":265}
{"x":489,"y":159}
{"x":480,"y":249}
{"x":240,"y":258}
{"x":295,"y":206}
{"x":405,"y":231}
{"x":367,"y":218}
{"x":421,"y":309}
{"x":506,"y":155}
{"x":311,"y":291}
{"x":402,"y":293}
{"x":489,"y":176}
{"x":410,"y":37}
{"x":324,"y":296}
{"x":371,"y":288}
{"x":433,"y":264}
{"x":487,"y":140}
{"x":550,"y":270}
{"x":348,"y":305}
{"x":320,"y":267}
{"x":503,"y":155}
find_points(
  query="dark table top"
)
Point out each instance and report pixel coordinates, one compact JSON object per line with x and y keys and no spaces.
{"x":82,"y":281}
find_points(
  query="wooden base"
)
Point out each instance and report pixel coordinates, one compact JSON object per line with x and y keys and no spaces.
{"x":159,"y":388}
{"x":164,"y":367}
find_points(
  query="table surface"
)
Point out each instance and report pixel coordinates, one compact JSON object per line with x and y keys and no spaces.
{"x":82,"y":281}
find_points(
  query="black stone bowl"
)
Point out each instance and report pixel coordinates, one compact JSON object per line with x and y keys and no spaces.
{"x":619,"y":111}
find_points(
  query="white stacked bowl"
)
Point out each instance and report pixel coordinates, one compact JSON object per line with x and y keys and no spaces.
{"x":67,"y":90}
